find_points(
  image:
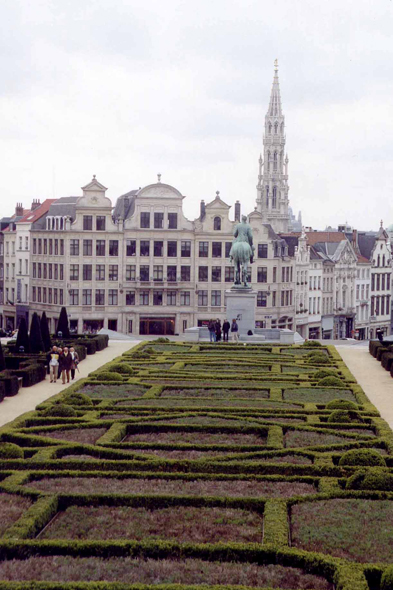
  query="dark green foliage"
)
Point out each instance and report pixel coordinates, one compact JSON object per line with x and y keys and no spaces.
{"x":89,"y":343}
{"x":387,"y":360}
{"x":77,"y":399}
{"x":60,"y":410}
{"x":341,"y":404}
{"x":122,"y":368}
{"x":380,"y":351}
{"x":31,"y":374}
{"x":23,"y":337}
{"x":318,"y":358}
{"x":2,"y":361}
{"x":10,"y":382}
{"x":331,"y":382}
{"x":35,"y":337}
{"x":10,"y":451}
{"x":345,"y":416}
{"x":367,"y":457}
{"x":311,"y":343}
{"x":374,"y":478}
{"x":322,"y":373}
{"x":373,"y":347}
{"x":387,"y":579}
{"x":62,"y":324}
{"x":162,"y":340}
{"x":108,"y":376}
{"x":45,"y":333}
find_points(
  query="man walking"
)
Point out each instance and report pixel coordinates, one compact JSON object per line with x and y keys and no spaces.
{"x":225,"y":329}
{"x":235,"y":331}
{"x":212,"y":330}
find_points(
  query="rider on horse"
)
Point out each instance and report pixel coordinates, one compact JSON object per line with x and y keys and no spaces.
{"x":242,"y":251}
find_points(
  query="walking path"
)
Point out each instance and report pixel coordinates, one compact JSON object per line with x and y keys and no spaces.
{"x":28,"y":397}
{"x":376,"y":382}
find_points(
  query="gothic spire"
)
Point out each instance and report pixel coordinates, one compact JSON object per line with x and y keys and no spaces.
{"x":275,"y":98}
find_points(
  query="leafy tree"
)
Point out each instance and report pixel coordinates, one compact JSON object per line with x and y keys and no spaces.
{"x":23,"y":337}
{"x":62,"y":325}
{"x":36,"y":343}
{"x":45,"y":332}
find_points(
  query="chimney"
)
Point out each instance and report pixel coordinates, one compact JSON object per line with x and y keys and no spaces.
{"x":355,"y":238}
{"x":237,"y":211}
{"x":203,"y":210}
{"x":19,"y":210}
{"x":36,"y":203}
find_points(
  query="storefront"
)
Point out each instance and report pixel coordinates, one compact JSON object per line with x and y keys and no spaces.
{"x":160,"y":326}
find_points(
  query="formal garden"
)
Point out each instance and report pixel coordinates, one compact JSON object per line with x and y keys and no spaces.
{"x":229,"y":465}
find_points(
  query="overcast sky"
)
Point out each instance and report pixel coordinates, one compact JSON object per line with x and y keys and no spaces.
{"x":126,"y":90}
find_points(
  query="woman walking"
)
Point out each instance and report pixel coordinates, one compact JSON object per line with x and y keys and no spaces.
{"x":74,"y":362}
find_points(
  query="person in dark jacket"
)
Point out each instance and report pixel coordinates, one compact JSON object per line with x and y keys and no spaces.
{"x":218,"y":330}
{"x":65,"y":362}
{"x":212,"y":331}
{"x":235,"y":331}
{"x":75,"y":361}
{"x":225,"y":329}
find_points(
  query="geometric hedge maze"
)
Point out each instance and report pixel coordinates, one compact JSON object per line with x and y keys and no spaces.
{"x":223,"y":465}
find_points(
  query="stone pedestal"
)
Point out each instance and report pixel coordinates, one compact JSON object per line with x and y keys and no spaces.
{"x":241,"y":303}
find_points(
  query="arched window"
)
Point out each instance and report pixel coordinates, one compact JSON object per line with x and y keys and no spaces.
{"x":275,"y":127}
{"x":383,"y":260}
{"x":270,"y":127}
{"x":378,"y":260}
{"x":275,"y":161}
{"x":217,"y":223}
{"x":274,"y":200}
{"x":267,"y":197}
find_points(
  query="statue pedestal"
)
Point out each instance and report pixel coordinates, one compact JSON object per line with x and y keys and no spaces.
{"x":241,"y":303}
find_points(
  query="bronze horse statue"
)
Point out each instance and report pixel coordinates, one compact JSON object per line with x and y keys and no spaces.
{"x":242,"y":251}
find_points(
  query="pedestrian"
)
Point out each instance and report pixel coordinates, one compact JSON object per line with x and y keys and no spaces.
{"x":49,"y":358}
{"x":235,"y":331}
{"x":53,"y":364}
{"x":225,"y":329}
{"x":212,"y":331}
{"x":218,"y":330}
{"x":379,"y":334}
{"x":75,"y":361}
{"x":60,"y":353}
{"x":65,"y":364}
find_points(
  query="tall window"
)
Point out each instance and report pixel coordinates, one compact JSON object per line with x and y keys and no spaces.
{"x":130,"y":247}
{"x":261,"y":299}
{"x":74,"y":296}
{"x":87,"y":247}
{"x":216,"y":298}
{"x":113,"y":272}
{"x":275,"y":161}
{"x":203,"y":273}
{"x":87,"y":272}
{"x":86,"y":297}
{"x":171,"y":273}
{"x":228,"y":246}
{"x":74,"y":272}
{"x":274,"y":200}
{"x":172,"y":249}
{"x":202,"y":298}
{"x":130,"y":297}
{"x":100,"y":223}
{"x":100,"y":248}
{"x":144,"y":248}
{"x":217,"y":223}
{"x":74,"y":247}
{"x":157,"y":297}
{"x":267,"y":195}
{"x":158,"y":220}
{"x":144,"y":298}
{"x":229,"y":274}
{"x":216,"y":274}
{"x":112,"y":297}
{"x":159,"y":248}
{"x":172,"y":220}
{"x":100,"y":272}
{"x":87,"y":223}
{"x":130,"y":272}
{"x":144,"y":273}
{"x":145,"y":219}
{"x":203,"y":249}
{"x":158,"y":273}
{"x":262,"y":250}
{"x":185,"y":273}
{"x":113,"y":248}
{"x":171,"y":298}
{"x":262,"y":274}
{"x":56,"y":247}
{"x":185,"y":248}
{"x":216,"y":249}
{"x":100,"y":297}
{"x":185,"y":298}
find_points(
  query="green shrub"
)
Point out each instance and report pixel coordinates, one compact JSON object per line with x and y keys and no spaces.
{"x":341,"y":404}
{"x":387,"y":579}
{"x":311,"y":343}
{"x":76,"y":399}
{"x":322,"y":373}
{"x":345,"y":416}
{"x":60,"y":410}
{"x":380,"y":351}
{"x":162,"y":340}
{"x":141,"y":354}
{"x":331,"y":382}
{"x":367,"y":457}
{"x":387,"y":360}
{"x":122,"y":368}
{"x":318,"y":358}
{"x":373,"y":347}
{"x":35,"y":336}
{"x":375,"y":478}
{"x":10,"y":451}
{"x":108,"y":376}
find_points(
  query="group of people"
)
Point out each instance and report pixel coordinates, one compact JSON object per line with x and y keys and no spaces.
{"x":216,"y":331}
{"x":62,"y":362}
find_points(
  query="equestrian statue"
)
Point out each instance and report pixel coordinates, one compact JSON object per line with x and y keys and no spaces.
{"x":242,"y":252}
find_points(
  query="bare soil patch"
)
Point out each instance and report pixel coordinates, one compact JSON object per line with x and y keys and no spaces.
{"x":79,"y":435}
{"x":150,"y":571}
{"x":358,"y":530}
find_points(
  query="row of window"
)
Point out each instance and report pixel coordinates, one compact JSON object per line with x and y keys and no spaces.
{"x":48,"y":246}
{"x":379,"y":282}
{"x":380,"y":305}
{"x":48,"y":295}
{"x":384,"y":261}
{"x":158,"y":220}
{"x":362,"y":292}
{"x":44,"y":270}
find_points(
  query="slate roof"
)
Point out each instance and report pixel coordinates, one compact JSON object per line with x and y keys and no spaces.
{"x":122,"y":210}
{"x":366,"y":244}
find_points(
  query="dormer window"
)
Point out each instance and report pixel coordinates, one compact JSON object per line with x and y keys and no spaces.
{"x":217,"y":223}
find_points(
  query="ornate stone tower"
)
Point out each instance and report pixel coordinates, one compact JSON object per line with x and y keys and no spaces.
{"x":272,"y":187}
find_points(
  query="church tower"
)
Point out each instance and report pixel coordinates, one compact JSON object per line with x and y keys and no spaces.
{"x":272,"y":187}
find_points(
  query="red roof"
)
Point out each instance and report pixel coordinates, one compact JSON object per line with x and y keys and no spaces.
{"x":32,"y":216}
{"x":315,"y":237}
{"x":363,"y":259}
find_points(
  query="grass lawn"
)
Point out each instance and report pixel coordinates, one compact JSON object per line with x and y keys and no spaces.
{"x":150,"y":571}
{"x":304,"y":438}
{"x":216,"y":393}
{"x":358,"y":530}
{"x":194,"y":403}
{"x":179,"y":487}
{"x":113,"y":391}
{"x":199,"y":438}
{"x":317,"y":395}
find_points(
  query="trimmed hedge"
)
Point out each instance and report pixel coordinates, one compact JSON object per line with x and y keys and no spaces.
{"x":10,"y":451}
{"x":108,"y":376}
{"x":367,"y":457}
{"x":60,"y":410}
{"x":344,"y":416}
{"x":331,"y":382}
{"x":387,"y":579}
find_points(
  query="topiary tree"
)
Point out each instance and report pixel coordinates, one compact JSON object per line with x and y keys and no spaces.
{"x":45,"y":333}
{"x":122,"y":368}
{"x":318,"y":358}
{"x":362,"y":457}
{"x":35,"y":338}
{"x":62,"y":324}
{"x":23,"y":337}
{"x":345,"y":416}
{"x":322,"y":373}
{"x":60,"y":410}
{"x":77,"y":399}
{"x":108,"y":376}
{"x":374,"y":478}
{"x":341,"y":404}
{"x":331,"y":382}
{"x":387,"y":579}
